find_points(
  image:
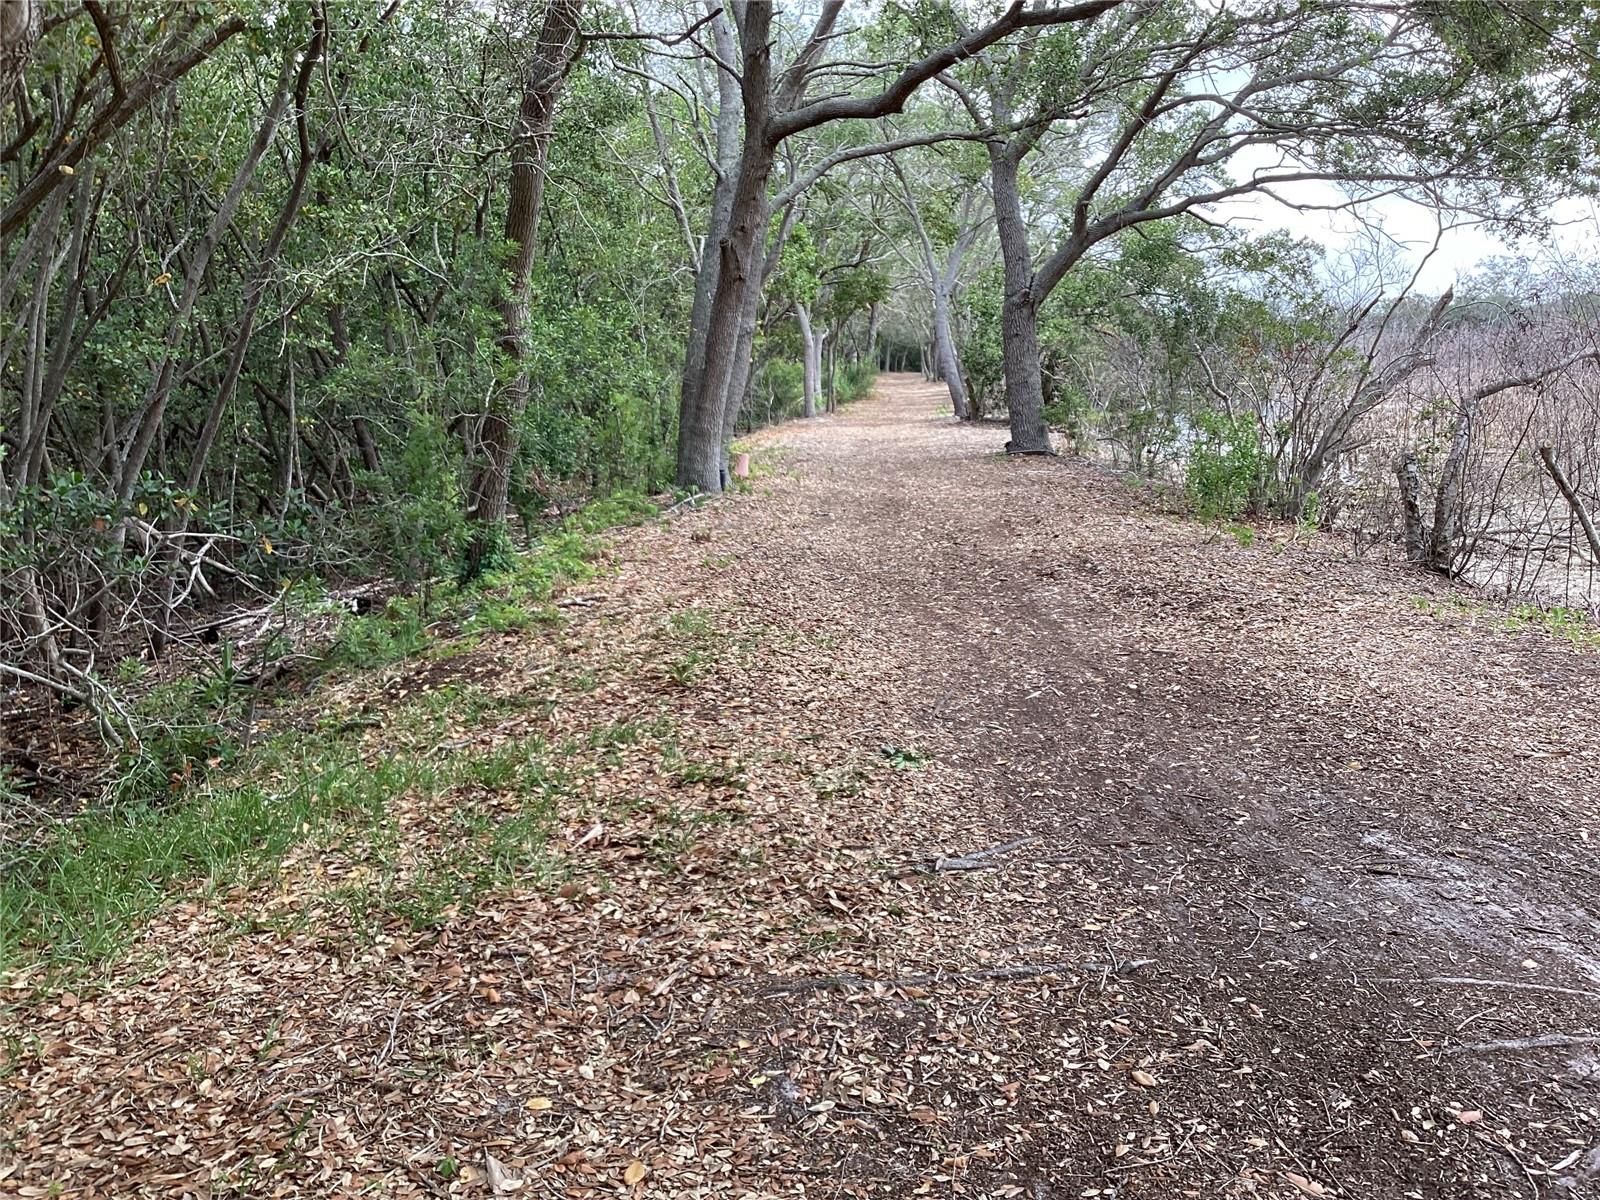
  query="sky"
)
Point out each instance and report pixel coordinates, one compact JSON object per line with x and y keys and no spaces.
{"x":1410,"y":227}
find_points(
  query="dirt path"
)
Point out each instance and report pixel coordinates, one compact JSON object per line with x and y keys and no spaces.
{"x":1320,"y":811}
{"x":1294,"y":894}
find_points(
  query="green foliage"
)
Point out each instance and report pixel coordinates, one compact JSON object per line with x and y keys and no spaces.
{"x":184,"y":729}
{"x":1244,"y":535}
{"x":776,"y":393}
{"x":1228,"y":467}
{"x":399,"y":632}
{"x":904,"y":758}
{"x":854,"y":381}
{"x":189,"y":802}
{"x":1563,"y":623}
{"x":611,"y":512}
{"x":416,"y":527}
{"x":799,"y":277}
{"x":78,"y":898}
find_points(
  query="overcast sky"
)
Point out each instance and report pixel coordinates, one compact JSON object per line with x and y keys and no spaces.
{"x":1410,"y":227}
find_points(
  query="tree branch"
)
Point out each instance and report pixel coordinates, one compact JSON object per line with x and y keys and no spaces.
{"x":893,"y":98}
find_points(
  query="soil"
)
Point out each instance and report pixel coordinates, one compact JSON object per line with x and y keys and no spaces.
{"x":1076,"y":850}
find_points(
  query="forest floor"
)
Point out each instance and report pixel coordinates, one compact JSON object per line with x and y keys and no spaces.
{"x":922,"y":822}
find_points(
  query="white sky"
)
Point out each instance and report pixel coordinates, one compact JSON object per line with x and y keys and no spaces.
{"x":1412,"y":227}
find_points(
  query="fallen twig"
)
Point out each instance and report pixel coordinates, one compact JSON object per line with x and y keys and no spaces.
{"x":1542,"y":1041}
{"x":1513,"y":984}
{"x":687,"y":500}
{"x":979,"y":860}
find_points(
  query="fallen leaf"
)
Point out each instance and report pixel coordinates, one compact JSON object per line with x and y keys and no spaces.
{"x":1144,"y":1078}
{"x":500,"y":1180}
{"x":1309,"y":1186}
{"x":635,"y":1173}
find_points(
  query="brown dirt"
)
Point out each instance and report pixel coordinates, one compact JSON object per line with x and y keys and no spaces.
{"x":1300,"y":905}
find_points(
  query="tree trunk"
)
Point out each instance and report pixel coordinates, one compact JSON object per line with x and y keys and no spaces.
{"x":702,"y":410}
{"x":744,"y":352}
{"x":1415,"y":531}
{"x":949,"y":361}
{"x":498,"y":433}
{"x":830,"y":377}
{"x":709,"y":273}
{"x":810,"y":360}
{"x":1019,"y":316}
{"x":1444,"y":547}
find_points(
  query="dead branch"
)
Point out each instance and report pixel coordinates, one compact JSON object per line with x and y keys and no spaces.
{"x":979,"y":859}
{"x":1543,"y":1041}
{"x":1574,"y":501}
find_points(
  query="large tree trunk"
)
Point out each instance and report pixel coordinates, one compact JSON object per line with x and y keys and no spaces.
{"x":744,"y":352}
{"x":709,"y":272}
{"x":944,"y":344}
{"x":498,"y":433}
{"x":1019,"y":315}
{"x":703,"y":410}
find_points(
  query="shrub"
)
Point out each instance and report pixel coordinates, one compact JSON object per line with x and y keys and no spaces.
{"x":854,"y":380}
{"x":416,"y":527}
{"x":1228,"y":467}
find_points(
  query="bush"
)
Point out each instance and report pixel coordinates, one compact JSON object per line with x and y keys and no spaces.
{"x":853,"y":381}
{"x":1229,"y":467}
{"x":397,"y":633}
{"x":778,"y":393}
{"x":416,"y":527}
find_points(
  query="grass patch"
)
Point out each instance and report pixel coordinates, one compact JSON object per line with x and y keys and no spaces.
{"x":1570,"y":625}
{"x":903,"y":758}
{"x":697,"y":643}
{"x":77,"y":900}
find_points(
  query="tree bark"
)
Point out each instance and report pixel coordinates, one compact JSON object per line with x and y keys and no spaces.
{"x":1447,"y":506}
{"x":702,"y":411}
{"x":944,"y":343}
{"x":498,"y":433}
{"x":744,"y":352}
{"x":1019,"y":314}
{"x":1415,"y":530}
{"x":709,"y":273}
{"x":810,"y":361}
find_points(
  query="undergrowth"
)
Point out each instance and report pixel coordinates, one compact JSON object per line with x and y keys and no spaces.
{"x":193,"y":803}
